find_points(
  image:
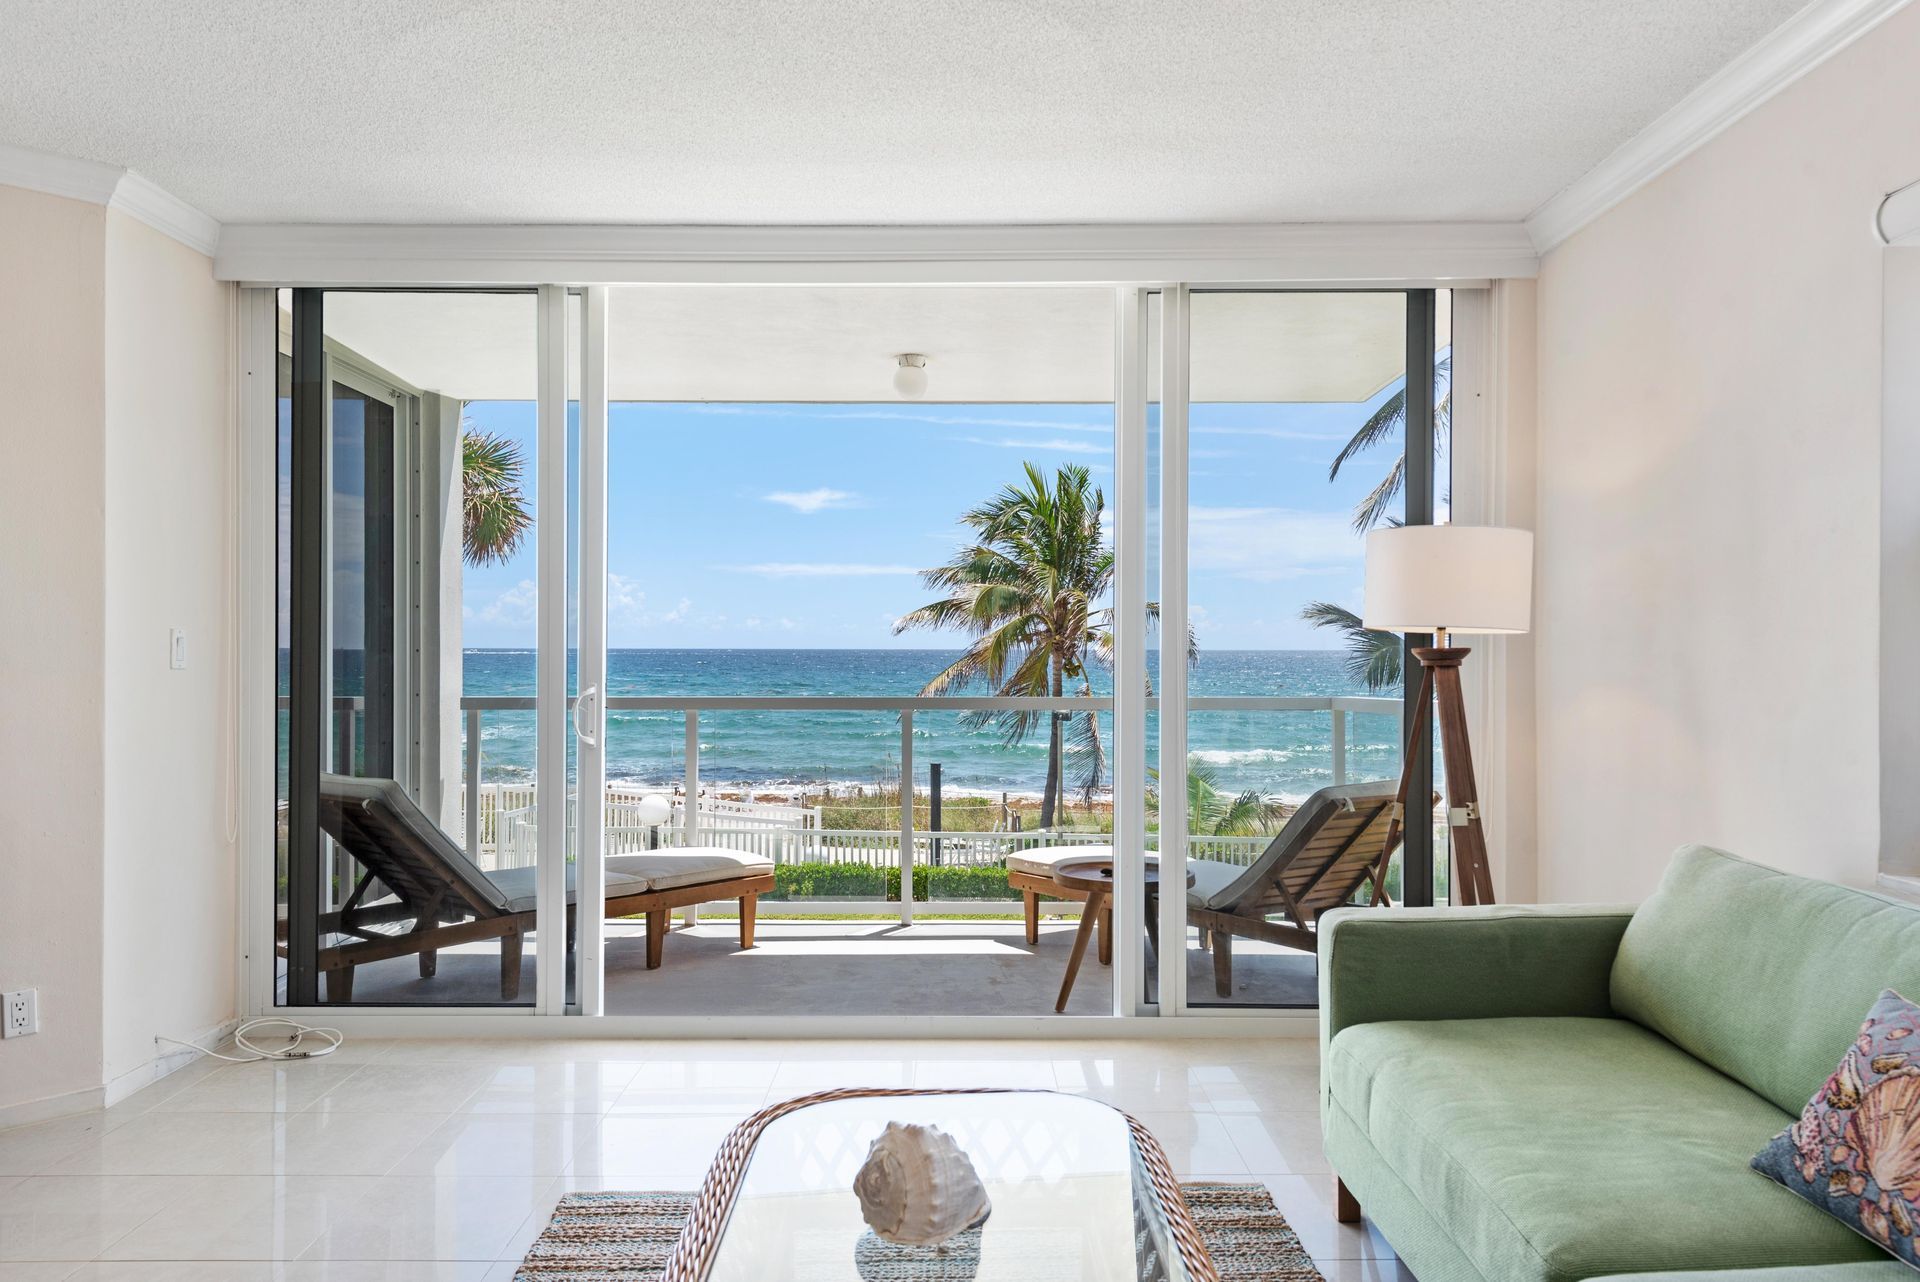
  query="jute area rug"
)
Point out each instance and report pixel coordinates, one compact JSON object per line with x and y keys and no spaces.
{"x":626,"y":1237}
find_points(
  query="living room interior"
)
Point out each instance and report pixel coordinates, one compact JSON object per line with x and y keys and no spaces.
{"x":988,"y":521}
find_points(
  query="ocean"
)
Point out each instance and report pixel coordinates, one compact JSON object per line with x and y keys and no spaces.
{"x":1283,"y":755}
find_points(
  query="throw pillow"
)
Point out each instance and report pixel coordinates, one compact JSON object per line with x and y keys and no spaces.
{"x":1855,"y":1152}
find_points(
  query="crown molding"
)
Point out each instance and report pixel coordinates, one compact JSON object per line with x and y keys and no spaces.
{"x":142,"y":198}
{"x":113,"y":187}
{"x":68,"y":176}
{"x":1793,"y":49}
{"x":330,"y":254}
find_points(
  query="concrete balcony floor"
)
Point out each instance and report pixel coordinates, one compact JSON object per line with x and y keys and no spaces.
{"x":838,"y":967}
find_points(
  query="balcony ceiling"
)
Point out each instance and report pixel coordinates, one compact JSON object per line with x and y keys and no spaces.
{"x":858,"y":111}
{"x":782,"y":344}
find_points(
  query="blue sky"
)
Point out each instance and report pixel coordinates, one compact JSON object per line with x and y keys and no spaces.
{"x":802,"y":525}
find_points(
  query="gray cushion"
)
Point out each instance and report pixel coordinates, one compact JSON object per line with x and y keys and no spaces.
{"x":686,"y":866}
{"x":517,"y":885}
{"x":1213,"y":883}
{"x":1042,"y":860}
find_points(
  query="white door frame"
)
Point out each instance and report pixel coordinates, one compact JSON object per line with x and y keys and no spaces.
{"x":589,"y":715}
{"x":1131,"y":1016}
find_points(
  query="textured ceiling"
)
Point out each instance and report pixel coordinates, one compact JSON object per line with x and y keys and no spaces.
{"x":857,"y":111}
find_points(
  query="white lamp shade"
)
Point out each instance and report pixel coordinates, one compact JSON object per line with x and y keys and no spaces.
{"x":653,"y":810}
{"x":1461,"y":578}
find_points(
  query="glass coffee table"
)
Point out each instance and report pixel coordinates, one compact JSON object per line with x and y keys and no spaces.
{"x":1080,"y":1191}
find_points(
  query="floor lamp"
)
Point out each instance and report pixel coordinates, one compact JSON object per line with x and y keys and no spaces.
{"x":1448,"y":580}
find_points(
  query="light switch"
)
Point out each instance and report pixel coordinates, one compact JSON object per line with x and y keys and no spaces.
{"x":176,"y":649}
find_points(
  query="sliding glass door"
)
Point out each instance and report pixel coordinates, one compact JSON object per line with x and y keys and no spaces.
{"x":412,"y":763}
{"x":1308,"y":419}
{"x":568,"y":590}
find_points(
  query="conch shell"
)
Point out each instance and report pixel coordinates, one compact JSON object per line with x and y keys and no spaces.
{"x":917,"y":1187}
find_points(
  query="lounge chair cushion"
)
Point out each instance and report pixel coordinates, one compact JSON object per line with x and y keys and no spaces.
{"x":688,"y":866}
{"x":517,"y":885}
{"x":1210,"y":878}
{"x":1040,"y":861}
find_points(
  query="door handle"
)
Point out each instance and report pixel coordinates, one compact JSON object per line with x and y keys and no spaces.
{"x":588,"y":697}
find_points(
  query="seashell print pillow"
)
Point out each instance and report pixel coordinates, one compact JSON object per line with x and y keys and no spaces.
{"x":1855,"y":1152}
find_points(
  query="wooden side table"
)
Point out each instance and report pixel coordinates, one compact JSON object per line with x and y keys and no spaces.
{"x":1094,"y":879}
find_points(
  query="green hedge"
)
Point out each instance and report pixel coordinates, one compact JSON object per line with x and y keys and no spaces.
{"x":860,"y":881}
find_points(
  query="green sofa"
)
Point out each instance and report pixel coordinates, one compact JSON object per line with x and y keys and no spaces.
{"x":1550,"y":1094}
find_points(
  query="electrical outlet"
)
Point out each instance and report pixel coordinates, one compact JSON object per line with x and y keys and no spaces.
{"x":20,"y":1013}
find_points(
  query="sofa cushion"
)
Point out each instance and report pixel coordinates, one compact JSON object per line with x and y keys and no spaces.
{"x":1556,"y":1149}
{"x":1762,"y":974}
{"x":688,"y":866}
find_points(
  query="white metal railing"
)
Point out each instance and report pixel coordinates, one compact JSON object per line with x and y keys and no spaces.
{"x":900,"y":847}
{"x":499,"y":818}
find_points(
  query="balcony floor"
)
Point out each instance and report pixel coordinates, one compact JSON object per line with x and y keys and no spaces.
{"x":827,"y":967}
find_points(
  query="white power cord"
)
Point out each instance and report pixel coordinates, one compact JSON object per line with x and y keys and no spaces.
{"x":293,"y":1047}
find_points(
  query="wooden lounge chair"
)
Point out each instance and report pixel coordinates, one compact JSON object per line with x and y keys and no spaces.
{"x":418,"y":892}
{"x":1333,"y":845}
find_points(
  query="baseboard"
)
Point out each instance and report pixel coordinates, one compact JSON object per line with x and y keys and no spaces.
{"x":166,"y":1062}
{"x":45,"y":1110}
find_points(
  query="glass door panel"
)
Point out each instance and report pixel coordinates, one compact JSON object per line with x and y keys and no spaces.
{"x":1297,"y":445}
{"x":409,"y":854}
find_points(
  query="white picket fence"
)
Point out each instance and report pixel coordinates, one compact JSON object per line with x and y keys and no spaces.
{"x":508,"y":810}
{"x":795,"y":838}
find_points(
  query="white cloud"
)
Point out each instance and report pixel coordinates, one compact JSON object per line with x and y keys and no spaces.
{"x":819,"y":569}
{"x":516,"y":605}
{"x":625,"y":600}
{"x":1268,"y":544}
{"x":1273,"y":433}
{"x":807,"y":502}
{"x":1055,"y":446}
{"x":627,"y":606}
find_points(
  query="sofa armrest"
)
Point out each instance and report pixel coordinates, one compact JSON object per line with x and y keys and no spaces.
{"x":1465,"y":963}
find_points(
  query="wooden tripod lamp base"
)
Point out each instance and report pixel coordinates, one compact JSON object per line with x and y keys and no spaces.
{"x":1480,"y":579}
{"x":1472,"y":878}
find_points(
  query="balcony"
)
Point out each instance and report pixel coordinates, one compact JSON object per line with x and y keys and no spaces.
{"x":836,"y":936}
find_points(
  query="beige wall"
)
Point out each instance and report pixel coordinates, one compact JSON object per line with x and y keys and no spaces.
{"x":52,"y":577}
{"x":1709,"y":496}
{"x":116,"y":872}
{"x":169,"y":853}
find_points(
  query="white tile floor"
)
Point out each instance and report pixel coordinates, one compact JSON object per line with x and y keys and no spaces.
{"x":439,"y":1161}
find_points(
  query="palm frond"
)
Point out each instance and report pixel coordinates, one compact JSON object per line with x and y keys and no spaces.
{"x":1372,"y":657}
{"x":1088,"y":752}
{"x":493,"y":511}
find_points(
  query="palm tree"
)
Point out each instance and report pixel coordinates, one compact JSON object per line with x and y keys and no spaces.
{"x":1025,"y":587}
{"x":494,"y":516}
{"x":1374,"y":657}
{"x":1214,"y":813}
{"x":1387,"y":421}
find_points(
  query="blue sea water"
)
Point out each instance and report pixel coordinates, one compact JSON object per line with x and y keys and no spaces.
{"x":1285,"y":755}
